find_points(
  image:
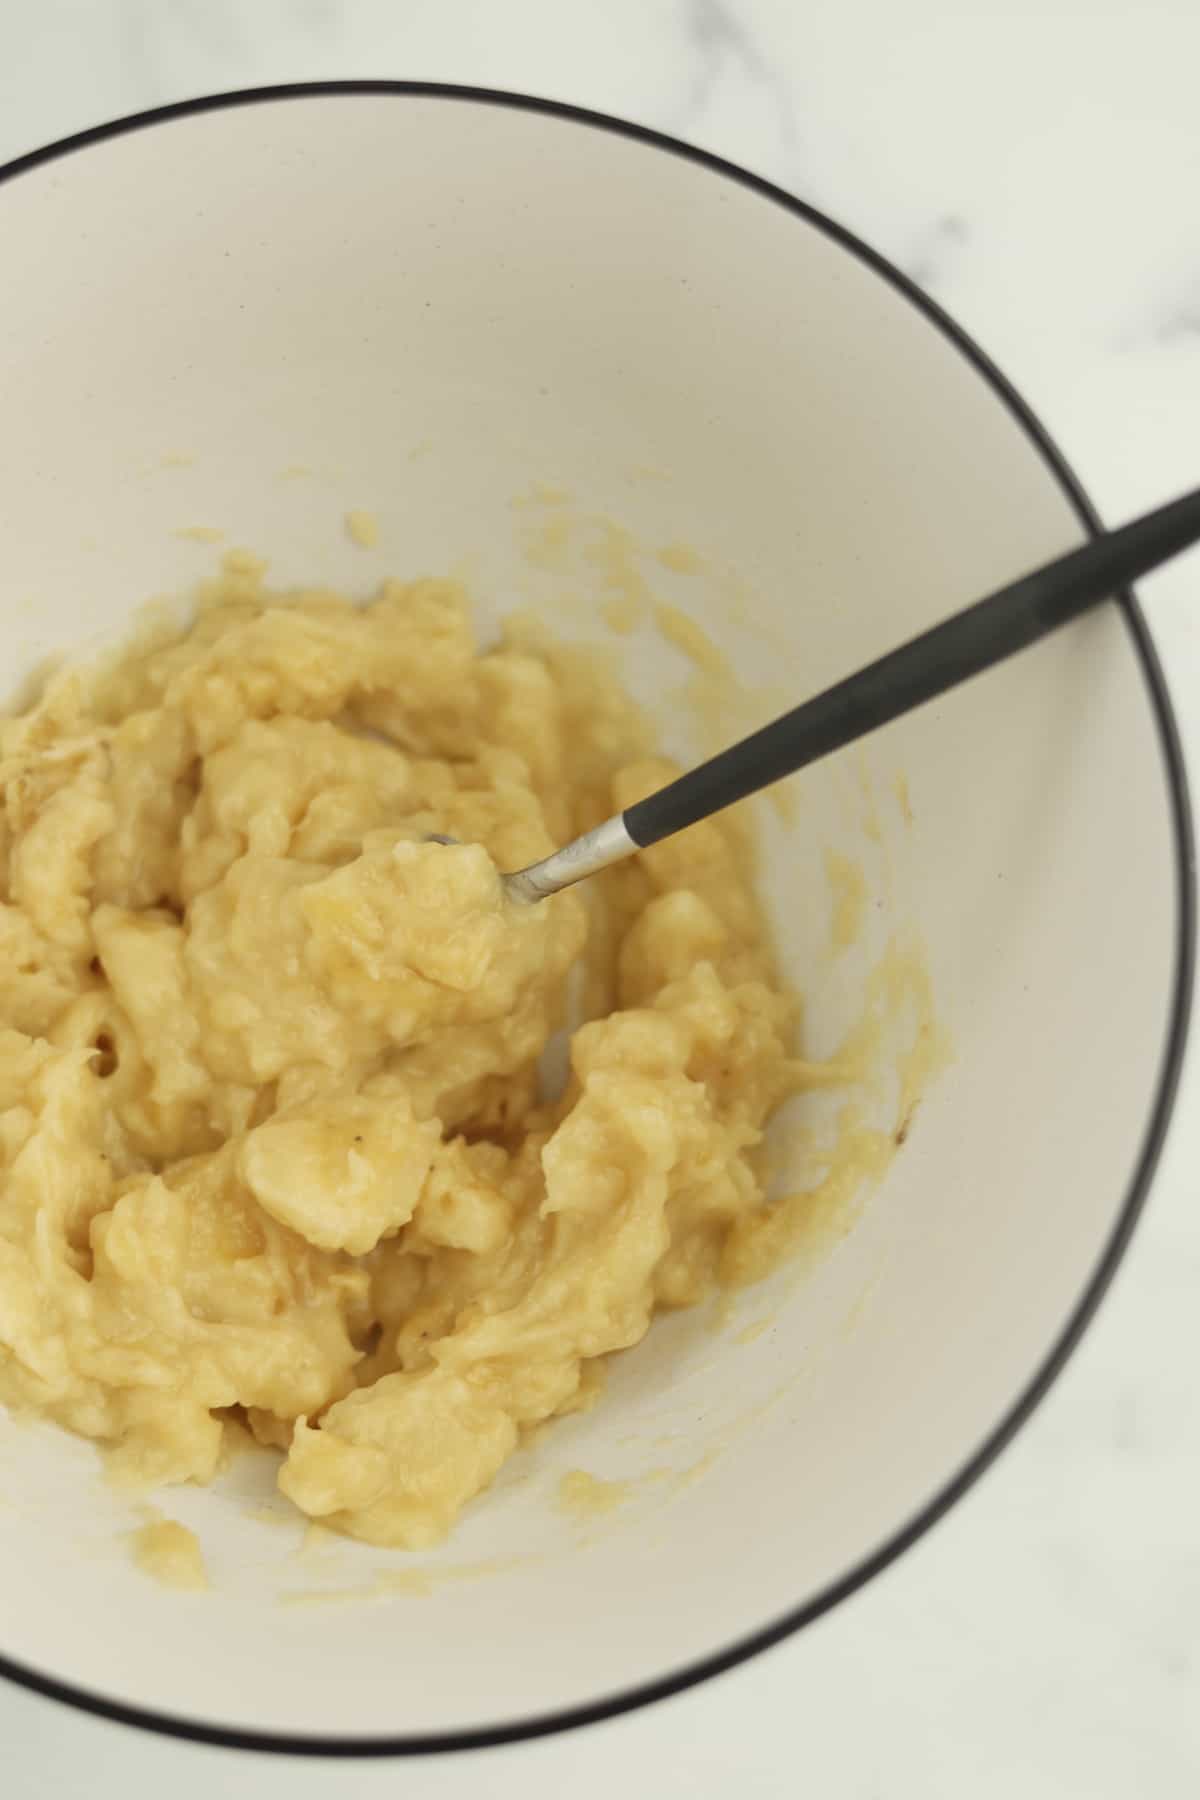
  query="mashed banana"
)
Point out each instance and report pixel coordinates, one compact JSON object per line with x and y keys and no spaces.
{"x":275,"y":1148}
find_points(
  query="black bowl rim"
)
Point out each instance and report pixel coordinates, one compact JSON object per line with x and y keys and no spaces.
{"x":417,"y":1744}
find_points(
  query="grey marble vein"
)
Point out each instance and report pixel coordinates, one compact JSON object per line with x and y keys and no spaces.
{"x":935,"y":249}
{"x":728,"y":61}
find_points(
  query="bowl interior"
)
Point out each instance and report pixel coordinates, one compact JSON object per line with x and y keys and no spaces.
{"x":451,"y":313}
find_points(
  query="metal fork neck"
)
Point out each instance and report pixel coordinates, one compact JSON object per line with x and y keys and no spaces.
{"x":595,"y":850}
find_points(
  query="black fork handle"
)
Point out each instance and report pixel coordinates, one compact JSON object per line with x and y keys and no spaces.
{"x":975,"y":639}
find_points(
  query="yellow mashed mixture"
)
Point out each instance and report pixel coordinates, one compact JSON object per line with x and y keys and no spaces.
{"x":275,"y":1149}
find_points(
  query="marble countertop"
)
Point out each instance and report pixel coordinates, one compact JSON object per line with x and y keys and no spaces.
{"x":1036,"y":168}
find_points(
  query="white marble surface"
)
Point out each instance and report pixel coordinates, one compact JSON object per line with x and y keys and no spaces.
{"x":1036,"y":166}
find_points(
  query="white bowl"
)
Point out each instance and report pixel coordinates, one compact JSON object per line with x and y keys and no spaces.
{"x":431,"y":299}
